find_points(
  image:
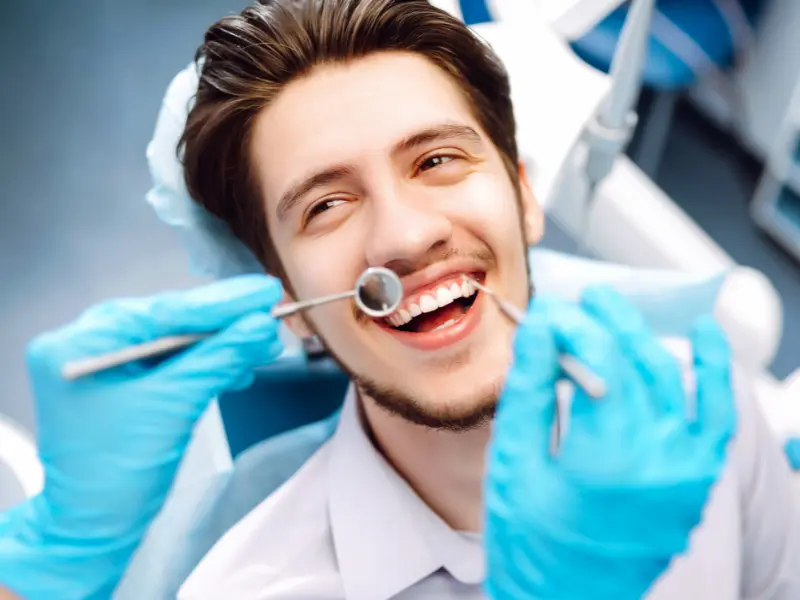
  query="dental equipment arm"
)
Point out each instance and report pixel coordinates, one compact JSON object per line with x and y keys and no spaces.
{"x":612,"y":126}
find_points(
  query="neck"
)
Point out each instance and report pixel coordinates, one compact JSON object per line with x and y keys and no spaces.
{"x":445,"y":468}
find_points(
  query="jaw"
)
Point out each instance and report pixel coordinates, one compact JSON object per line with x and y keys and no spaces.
{"x":454,"y":364}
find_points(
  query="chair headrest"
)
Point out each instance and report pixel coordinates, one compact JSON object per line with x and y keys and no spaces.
{"x":19,"y":459}
{"x":743,"y":300}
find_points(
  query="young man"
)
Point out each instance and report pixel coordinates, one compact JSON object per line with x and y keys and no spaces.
{"x":331,"y":136}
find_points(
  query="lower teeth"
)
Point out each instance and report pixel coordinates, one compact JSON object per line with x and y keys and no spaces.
{"x":445,"y":324}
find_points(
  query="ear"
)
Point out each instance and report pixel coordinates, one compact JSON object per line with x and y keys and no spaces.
{"x":533,"y":217}
{"x":296,"y":323}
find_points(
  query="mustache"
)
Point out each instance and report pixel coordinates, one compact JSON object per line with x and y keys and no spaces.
{"x":404,"y":268}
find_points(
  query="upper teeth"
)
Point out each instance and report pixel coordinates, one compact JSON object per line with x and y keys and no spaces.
{"x":431,"y":300}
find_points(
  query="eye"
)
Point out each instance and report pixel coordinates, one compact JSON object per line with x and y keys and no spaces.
{"x":322,"y":207}
{"x":435,"y":161}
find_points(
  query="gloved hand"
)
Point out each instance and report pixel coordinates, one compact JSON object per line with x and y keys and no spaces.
{"x":111,"y":443}
{"x":603,"y":518}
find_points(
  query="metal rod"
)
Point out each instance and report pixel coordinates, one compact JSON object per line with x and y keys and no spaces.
{"x":591,"y":383}
{"x":284,"y":310}
{"x":94,"y":364}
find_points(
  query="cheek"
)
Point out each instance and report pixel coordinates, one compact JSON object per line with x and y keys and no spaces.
{"x":321,"y":267}
{"x":489,"y":204}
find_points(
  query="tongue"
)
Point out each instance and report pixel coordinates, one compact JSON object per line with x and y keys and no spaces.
{"x":429,"y":321}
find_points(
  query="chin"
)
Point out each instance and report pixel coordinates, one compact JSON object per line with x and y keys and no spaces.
{"x":453,"y":411}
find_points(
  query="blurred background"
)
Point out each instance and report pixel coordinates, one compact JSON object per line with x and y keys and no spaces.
{"x":82,"y":82}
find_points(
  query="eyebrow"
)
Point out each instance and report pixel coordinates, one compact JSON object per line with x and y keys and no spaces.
{"x":296,"y":192}
{"x":441,"y":132}
{"x":435,"y":133}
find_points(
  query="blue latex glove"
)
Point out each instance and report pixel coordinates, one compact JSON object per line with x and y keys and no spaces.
{"x":604,"y":517}
{"x":111,"y":443}
{"x":792,"y":450}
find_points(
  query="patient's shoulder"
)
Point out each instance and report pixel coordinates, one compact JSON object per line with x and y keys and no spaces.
{"x":283,"y":543}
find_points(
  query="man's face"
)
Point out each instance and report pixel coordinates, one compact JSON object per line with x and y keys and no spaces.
{"x":380,"y":162}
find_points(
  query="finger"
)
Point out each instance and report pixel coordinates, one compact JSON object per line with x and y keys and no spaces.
{"x":716,"y":410}
{"x":580,"y":335}
{"x":225,"y":360}
{"x":116,"y":324}
{"x":527,"y":405}
{"x":655,"y":365}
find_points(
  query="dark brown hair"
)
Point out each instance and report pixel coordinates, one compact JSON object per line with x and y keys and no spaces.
{"x":247,"y":59}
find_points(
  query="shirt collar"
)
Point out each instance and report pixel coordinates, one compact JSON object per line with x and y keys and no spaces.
{"x":385,"y":537}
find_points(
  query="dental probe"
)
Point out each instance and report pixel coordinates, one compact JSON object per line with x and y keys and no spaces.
{"x":377,"y":293}
{"x":589,"y":382}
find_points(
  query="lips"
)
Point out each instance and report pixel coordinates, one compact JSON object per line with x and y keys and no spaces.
{"x":444,"y":293}
{"x":437,"y":315}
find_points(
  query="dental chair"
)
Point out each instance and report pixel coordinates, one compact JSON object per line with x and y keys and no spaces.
{"x":253,"y":440}
{"x":295,"y":391}
{"x":21,"y":474}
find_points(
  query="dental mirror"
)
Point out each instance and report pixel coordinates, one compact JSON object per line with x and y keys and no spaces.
{"x":377,"y":293}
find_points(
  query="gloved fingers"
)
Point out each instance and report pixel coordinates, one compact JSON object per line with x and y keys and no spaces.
{"x":119,"y":323}
{"x":527,"y":404}
{"x":225,"y":360}
{"x":578,"y":334}
{"x":716,"y":408}
{"x":658,"y":368}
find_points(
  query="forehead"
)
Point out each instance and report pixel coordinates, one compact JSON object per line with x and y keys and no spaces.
{"x":349,"y":113}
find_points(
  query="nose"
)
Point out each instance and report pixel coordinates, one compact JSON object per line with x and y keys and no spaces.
{"x":405,"y":229}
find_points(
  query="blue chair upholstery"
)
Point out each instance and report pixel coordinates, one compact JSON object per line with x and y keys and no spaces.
{"x":700,"y":20}
{"x":689,"y":39}
{"x":474,"y":12}
{"x":286,"y":395}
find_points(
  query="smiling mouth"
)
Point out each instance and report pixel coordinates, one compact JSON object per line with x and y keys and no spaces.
{"x":438,"y":308}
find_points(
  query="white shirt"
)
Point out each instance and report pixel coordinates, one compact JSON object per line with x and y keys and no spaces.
{"x":347,"y":526}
